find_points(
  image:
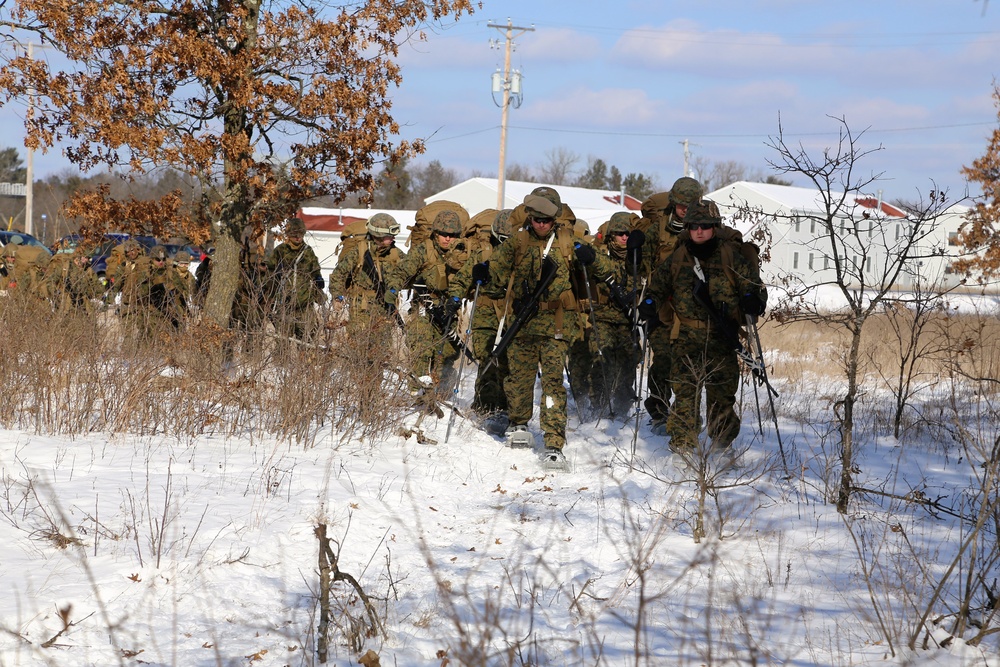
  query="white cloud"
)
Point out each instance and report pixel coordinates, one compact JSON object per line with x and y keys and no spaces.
{"x":606,"y":108}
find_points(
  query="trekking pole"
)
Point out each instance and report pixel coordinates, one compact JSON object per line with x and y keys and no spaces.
{"x":643,"y":351}
{"x":760,"y":371}
{"x":461,"y":366}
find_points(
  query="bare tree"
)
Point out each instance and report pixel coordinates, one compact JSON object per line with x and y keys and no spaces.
{"x":863,"y":261}
{"x":558,"y":166}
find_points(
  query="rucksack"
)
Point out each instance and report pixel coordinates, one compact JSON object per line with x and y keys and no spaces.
{"x":351,"y":236}
{"x":424,"y":218}
{"x":478,"y":229}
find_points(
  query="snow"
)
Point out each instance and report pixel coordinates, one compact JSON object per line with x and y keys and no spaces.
{"x":204,"y":552}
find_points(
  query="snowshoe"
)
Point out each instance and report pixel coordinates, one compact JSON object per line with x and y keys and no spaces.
{"x":553,"y":459}
{"x":659,"y":427}
{"x":519,"y":437}
{"x":496,"y":423}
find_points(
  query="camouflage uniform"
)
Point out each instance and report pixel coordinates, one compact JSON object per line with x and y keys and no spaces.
{"x":359,"y":279}
{"x":428,"y":268}
{"x":543,"y":341}
{"x":71,"y":284}
{"x":613,"y":375}
{"x":296,"y":283}
{"x":250,"y":302}
{"x":162,"y":291}
{"x":665,"y":225}
{"x":130,"y":280}
{"x":490,"y":396}
{"x":26,"y":270}
{"x":701,"y":357}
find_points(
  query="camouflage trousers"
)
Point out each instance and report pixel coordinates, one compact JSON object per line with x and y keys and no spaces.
{"x":613,"y":374}
{"x":525,"y":355}
{"x":432,"y":353}
{"x":580,"y":364}
{"x":490,"y":395}
{"x":657,"y":402}
{"x":702,"y":361}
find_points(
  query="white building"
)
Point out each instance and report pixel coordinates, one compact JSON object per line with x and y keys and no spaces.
{"x":869,"y":232}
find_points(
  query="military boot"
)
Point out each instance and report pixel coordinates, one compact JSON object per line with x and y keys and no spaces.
{"x":519,"y":437}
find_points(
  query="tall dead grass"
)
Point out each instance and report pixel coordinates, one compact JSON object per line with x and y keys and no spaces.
{"x":78,"y":372}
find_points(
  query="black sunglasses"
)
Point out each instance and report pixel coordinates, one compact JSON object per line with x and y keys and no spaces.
{"x":447,"y":235}
{"x":543,"y":221}
{"x":703,"y":226}
{"x":625,"y":233}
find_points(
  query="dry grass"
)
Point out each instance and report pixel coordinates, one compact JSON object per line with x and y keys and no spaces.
{"x":82,"y":372}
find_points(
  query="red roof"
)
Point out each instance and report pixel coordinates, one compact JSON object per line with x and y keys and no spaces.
{"x":888,"y":209}
{"x":326,"y":223}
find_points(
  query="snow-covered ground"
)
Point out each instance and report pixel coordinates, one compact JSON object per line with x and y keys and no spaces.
{"x":148,"y":550}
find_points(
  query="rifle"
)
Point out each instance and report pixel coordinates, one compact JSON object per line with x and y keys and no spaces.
{"x":528,"y":309}
{"x":368,"y":266}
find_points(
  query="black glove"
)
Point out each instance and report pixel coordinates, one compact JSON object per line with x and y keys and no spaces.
{"x":648,"y":311}
{"x":481,"y":273}
{"x":635,"y":240}
{"x":751,"y":305}
{"x":451,"y":307}
{"x":585,"y":254}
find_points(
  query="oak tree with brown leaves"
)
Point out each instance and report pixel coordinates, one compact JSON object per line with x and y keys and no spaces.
{"x":262,"y":103}
{"x":982,"y":233}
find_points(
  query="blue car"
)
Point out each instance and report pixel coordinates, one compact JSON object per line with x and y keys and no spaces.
{"x":20,"y":238}
{"x":99,"y":258}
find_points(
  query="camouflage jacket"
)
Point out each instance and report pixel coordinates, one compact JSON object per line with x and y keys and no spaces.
{"x":295,"y":277}
{"x":428,"y":268}
{"x":352,"y":279}
{"x":70,"y":285}
{"x":516,"y":267}
{"x":676,"y":284}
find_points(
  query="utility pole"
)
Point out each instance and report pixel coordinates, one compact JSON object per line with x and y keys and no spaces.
{"x":506,"y":84}
{"x":687,"y":157}
{"x":29,"y":174}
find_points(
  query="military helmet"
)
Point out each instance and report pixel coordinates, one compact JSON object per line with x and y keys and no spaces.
{"x":543,"y":202}
{"x":182,"y":257}
{"x":685,"y":191}
{"x":702,"y":212}
{"x":501,"y":228}
{"x":158,"y":252}
{"x":620,"y":222}
{"x":9,"y":250}
{"x":447,"y":222}
{"x":294,"y":226}
{"x":382,"y":224}
{"x":131,"y":244}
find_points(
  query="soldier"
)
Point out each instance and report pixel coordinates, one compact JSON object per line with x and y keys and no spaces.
{"x":296,"y":282}
{"x":490,"y":400}
{"x":71,"y":284}
{"x":613,"y":376}
{"x":185,"y":282}
{"x":26,"y":267}
{"x":8,"y":267}
{"x":250,"y":302}
{"x":162,"y":291}
{"x":661,"y":239}
{"x":710,"y":283}
{"x":428,"y":269}
{"x":514,"y":272}
{"x":359,"y":279}
{"x":128,"y":281}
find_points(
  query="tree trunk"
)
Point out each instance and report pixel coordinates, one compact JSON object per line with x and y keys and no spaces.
{"x":847,"y":423}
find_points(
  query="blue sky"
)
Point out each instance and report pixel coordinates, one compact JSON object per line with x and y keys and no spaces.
{"x":627,"y":82}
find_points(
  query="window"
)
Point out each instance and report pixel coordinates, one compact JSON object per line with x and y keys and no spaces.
{"x":812,"y":226}
{"x":795,"y":260}
{"x":810,"y":261}
{"x":897,"y":231}
{"x":868,"y":264}
{"x":953,"y":238}
{"x":826,"y":262}
{"x":798,"y":223}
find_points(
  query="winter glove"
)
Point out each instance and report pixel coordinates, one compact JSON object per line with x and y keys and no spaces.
{"x":751,"y":305}
{"x":390,"y":297}
{"x":481,"y":273}
{"x":585,"y":254}
{"x":451,"y":307}
{"x":636,"y":239}
{"x":648,"y":311}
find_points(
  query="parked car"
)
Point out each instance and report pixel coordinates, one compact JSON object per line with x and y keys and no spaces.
{"x":20,"y":238}
{"x":196,"y":254}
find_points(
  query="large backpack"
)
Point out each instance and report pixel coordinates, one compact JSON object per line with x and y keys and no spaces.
{"x":479,"y":228}
{"x":424,"y":218}
{"x":351,"y":236}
